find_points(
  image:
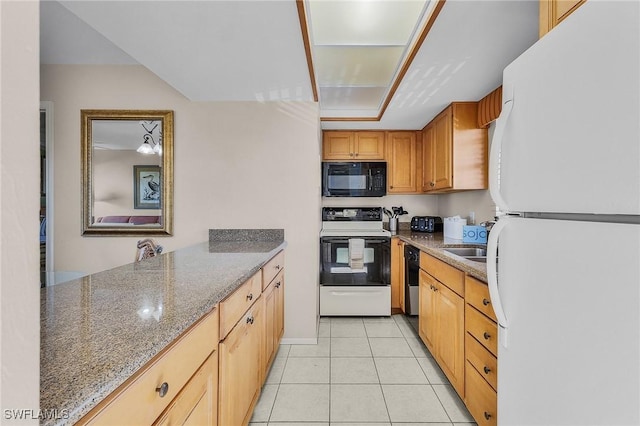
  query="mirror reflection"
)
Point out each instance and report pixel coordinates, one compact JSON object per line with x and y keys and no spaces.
{"x":128,"y":169}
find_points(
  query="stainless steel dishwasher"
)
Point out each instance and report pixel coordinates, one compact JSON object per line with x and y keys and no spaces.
{"x":411,"y":280}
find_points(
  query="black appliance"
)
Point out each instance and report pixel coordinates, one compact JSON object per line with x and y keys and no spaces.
{"x":411,"y":280}
{"x":426,"y":224}
{"x":354,"y":179}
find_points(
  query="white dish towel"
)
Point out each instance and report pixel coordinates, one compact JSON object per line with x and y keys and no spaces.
{"x":356,"y":253}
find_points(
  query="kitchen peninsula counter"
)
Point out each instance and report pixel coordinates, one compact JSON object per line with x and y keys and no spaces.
{"x":434,"y":245}
{"x":99,"y":330}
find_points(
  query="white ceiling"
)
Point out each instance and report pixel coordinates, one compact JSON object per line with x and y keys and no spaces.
{"x":213,"y":50}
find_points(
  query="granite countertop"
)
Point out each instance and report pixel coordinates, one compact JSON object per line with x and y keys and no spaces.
{"x":98,"y":330}
{"x":434,"y":244}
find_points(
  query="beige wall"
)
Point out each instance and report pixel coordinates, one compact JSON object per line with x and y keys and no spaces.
{"x":237,"y":165}
{"x":19,"y":210}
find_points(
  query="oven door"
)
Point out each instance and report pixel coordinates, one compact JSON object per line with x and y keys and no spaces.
{"x":334,"y":262}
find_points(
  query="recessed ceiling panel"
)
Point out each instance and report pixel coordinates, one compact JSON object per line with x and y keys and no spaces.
{"x":356,"y":66}
{"x":383,"y":23}
{"x":351,"y":97}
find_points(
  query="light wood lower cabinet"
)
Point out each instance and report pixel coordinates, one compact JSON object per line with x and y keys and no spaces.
{"x":197,"y":403}
{"x":441,"y":327}
{"x":481,"y":373}
{"x":149,"y":392}
{"x":273,"y":319}
{"x":241,"y":368}
{"x":397,"y":275}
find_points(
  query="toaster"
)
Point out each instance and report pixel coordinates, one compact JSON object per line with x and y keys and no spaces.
{"x":426,"y":224}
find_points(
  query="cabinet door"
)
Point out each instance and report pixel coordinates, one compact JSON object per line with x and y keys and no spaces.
{"x":279,"y":311}
{"x":428,"y":159}
{"x":427,"y":317}
{"x":197,"y":403}
{"x":552,"y":12}
{"x":402,"y":162}
{"x":240,"y":368}
{"x":338,"y":146}
{"x":450,"y":335}
{"x":369,"y":146}
{"x":270,"y":301}
{"x":442,"y":151}
{"x":396,"y":266}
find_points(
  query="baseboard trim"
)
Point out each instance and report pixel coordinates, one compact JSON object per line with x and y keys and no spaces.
{"x":299,"y":341}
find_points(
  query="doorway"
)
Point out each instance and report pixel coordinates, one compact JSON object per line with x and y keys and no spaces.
{"x":46,"y":194}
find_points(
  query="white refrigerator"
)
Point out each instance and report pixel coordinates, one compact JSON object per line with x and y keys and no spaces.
{"x":564,"y":263}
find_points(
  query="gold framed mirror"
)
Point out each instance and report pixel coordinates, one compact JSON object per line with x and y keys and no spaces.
{"x":127,"y":172}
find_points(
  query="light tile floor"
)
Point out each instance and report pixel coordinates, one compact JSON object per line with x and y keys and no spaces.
{"x":363,"y":371}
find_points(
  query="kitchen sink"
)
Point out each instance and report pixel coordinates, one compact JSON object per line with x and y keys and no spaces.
{"x":467,"y":251}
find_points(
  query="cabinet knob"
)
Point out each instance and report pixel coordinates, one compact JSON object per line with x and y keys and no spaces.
{"x":486,"y":369}
{"x":485,"y":302}
{"x":486,"y":336}
{"x":163,"y":389}
{"x":250,"y":296}
{"x":249,"y":320}
{"x":351,"y":154}
{"x":487,"y":415}
{"x":278,"y":267}
{"x":432,"y":184}
{"x":357,"y":153}
{"x":278,"y":284}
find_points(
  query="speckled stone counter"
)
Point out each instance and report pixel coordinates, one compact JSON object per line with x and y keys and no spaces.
{"x":434,"y":245}
{"x":98,"y":330}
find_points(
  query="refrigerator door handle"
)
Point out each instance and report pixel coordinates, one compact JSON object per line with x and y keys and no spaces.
{"x":492,"y":278}
{"x":496,"y":147}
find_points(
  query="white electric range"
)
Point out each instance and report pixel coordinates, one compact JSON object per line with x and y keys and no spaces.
{"x":347,"y":289}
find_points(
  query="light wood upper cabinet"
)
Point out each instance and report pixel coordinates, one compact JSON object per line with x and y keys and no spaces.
{"x":455,"y":150}
{"x":402,"y":162}
{"x":552,"y":12}
{"x":353,"y":145}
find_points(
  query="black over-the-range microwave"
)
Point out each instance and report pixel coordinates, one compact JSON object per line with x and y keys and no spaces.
{"x":354,"y":179}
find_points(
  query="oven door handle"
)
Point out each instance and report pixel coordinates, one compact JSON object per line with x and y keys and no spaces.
{"x":346,"y":239}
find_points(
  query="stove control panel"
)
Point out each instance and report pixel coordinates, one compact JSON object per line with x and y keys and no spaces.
{"x":353,"y":214}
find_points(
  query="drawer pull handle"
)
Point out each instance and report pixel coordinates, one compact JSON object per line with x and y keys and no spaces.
{"x":163,"y":389}
{"x":487,"y":415}
{"x":486,"y":335}
{"x":485,"y":302}
{"x":486,"y":369}
{"x":278,"y":284}
{"x":278,"y":267}
{"x":249,"y":320}
{"x":250,"y":296}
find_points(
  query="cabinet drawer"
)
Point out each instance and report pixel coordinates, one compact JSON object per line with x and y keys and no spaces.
{"x":446,"y":274}
{"x":137,"y":401}
{"x":480,"y":398}
{"x":484,"y":361}
{"x":482,"y":328}
{"x":234,"y":307}
{"x":476,"y":293}
{"x":272,"y":268}
{"x":197,"y":404}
